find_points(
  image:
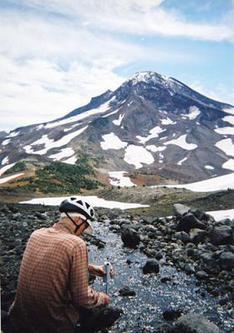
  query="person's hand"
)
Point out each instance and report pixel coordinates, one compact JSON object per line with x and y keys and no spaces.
{"x":105,"y":299}
{"x":112,"y":271}
{"x":100,"y":270}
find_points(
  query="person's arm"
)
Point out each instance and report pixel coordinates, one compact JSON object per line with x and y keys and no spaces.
{"x":82,"y":294}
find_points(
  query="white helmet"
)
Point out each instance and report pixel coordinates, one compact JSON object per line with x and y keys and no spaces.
{"x":77,"y":205}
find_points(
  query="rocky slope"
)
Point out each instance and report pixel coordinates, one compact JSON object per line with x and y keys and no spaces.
{"x":152,"y":292}
{"x":152,"y":127}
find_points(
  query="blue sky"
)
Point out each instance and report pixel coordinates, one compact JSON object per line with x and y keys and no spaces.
{"x":56,"y":54}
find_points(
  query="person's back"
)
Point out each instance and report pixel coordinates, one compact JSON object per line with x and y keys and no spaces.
{"x":53,"y":282}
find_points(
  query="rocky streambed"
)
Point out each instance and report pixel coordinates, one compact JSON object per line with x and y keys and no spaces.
{"x":172,"y":274}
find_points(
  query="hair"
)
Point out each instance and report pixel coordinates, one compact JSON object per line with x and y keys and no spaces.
{"x":64,"y":216}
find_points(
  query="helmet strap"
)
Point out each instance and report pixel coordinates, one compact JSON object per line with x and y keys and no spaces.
{"x":77,"y":226}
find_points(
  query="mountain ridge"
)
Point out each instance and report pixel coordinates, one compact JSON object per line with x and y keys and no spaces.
{"x":150,"y":125}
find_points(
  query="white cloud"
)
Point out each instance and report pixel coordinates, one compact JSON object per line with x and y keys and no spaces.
{"x":137,"y":17}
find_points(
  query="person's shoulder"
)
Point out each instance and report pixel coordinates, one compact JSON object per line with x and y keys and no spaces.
{"x":74,"y":241}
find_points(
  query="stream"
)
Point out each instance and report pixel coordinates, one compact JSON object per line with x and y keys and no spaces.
{"x":144,"y":312}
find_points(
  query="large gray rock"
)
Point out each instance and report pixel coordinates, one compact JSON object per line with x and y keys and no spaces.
{"x":226,"y":261}
{"x":221,"y":235}
{"x":192,"y":323}
{"x":197,"y":235}
{"x":188,"y":222}
{"x":180,"y":209}
{"x":130,"y":237}
{"x":151,"y":266}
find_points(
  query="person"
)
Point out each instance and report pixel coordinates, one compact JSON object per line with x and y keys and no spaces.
{"x":53,"y":279}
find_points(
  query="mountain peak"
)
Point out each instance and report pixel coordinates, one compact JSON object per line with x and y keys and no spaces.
{"x":147,"y":77}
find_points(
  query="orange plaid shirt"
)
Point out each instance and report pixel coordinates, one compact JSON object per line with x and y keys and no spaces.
{"x":53,"y":282}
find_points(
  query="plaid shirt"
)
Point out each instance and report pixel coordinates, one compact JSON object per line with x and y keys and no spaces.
{"x":53,"y":282}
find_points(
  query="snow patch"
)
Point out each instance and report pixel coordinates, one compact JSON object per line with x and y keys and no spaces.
{"x":167,"y":121}
{"x":7,"y":179}
{"x":50,"y":143}
{"x":193,"y":112}
{"x":209,"y":167}
{"x":110,"y":114}
{"x":181,"y":142}
{"x":6,"y":142}
{"x":182,"y":161}
{"x":101,"y":109}
{"x":154,"y":148}
{"x":219,"y":215}
{"x":93,"y":200}
{"x":71,"y":160}
{"x":112,"y":141}
{"x":137,"y":155}
{"x":225,"y":130}
{"x":6,"y":167}
{"x":229,"y":119}
{"x":5,"y":160}
{"x":229,"y":110}
{"x":13,"y":134}
{"x":220,"y":183}
{"x":226,"y":146}
{"x":229,"y":164}
{"x":118,"y":121}
{"x":154,"y":133}
{"x":118,"y":178}
{"x":65,"y":152}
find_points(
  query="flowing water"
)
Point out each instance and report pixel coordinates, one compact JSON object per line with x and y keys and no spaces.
{"x":143,"y":312}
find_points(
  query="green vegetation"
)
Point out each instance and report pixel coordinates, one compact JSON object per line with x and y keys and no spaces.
{"x":58,"y":177}
{"x":18,"y":167}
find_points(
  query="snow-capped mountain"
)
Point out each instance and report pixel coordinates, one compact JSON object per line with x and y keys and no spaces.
{"x":150,"y":126}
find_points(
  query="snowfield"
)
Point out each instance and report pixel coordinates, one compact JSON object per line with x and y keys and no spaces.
{"x":101,"y":109}
{"x":220,"y":183}
{"x":229,"y":119}
{"x":93,"y":200}
{"x":219,"y":215}
{"x":181,"y":142}
{"x":118,"y":178}
{"x":226,"y":146}
{"x":137,"y":155}
{"x":50,"y":143}
{"x":6,"y":179}
{"x":229,"y":164}
{"x":154,"y":133}
{"x":6,"y":167}
{"x":65,"y":152}
{"x":225,"y":130}
{"x":112,"y":141}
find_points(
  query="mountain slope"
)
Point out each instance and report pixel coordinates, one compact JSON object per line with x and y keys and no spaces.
{"x":152,"y":128}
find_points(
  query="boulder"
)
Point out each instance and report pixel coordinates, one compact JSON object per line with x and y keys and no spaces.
{"x":188,"y":222}
{"x":172,"y":314}
{"x":183,"y":236}
{"x":226,"y":261}
{"x":197,"y":235}
{"x":180,"y":209}
{"x":100,"y":318}
{"x":193,"y":323}
{"x":221,"y":235}
{"x":151,"y":266}
{"x":126,"y":291}
{"x":130,"y":237}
